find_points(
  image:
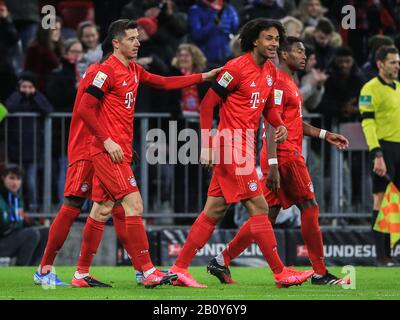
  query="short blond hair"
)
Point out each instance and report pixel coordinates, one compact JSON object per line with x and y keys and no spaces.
{"x":199,"y":60}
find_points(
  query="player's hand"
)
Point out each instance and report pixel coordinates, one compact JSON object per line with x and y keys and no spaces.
{"x":380,"y":166}
{"x":207,"y":157}
{"x":280,"y":134}
{"x":211,"y":75}
{"x":114,"y":150}
{"x":337,"y":140}
{"x":273,"y":178}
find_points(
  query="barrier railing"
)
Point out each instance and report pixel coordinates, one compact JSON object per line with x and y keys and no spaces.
{"x":169,"y":191}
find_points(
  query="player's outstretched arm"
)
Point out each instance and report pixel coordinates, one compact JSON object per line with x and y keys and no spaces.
{"x":210,"y":100}
{"x":338,"y":140}
{"x":177,"y":82}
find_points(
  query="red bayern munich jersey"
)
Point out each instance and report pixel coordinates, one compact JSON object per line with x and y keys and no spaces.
{"x":116,"y":113}
{"x":249,"y":86}
{"x":80,"y":138}
{"x":289,"y":103}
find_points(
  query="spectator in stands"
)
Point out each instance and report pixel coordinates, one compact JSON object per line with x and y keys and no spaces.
{"x":293,"y":26}
{"x":236,"y":49}
{"x":19,"y":237}
{"x":152,"y":57}
{"x":269,"y":9}
{"x":343,"y":87}
{"x":188,"y":60}
{"x":211,"y":23}
{"x":310,"y":12}
{"x":312,"y":82}
{"x":25,"y":14}
{"x":8,"y":39}
{"x":89,"y":37}
{"x":139,"y":8}
{"x":62,"y":85}
{"x":172,"y":24}
{"x":27,"y":98}
{"x":320,"y":38}
{"x":44,"y":53}
{"x":63,"y":82}
{"x":370,"y":69}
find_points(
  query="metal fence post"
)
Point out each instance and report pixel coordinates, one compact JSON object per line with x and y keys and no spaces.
{"x":47,"y":170}
{"x":144,"y":166}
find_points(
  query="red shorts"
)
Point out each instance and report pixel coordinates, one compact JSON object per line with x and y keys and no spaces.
{"x":234,"y":187}
{"x":295,"y":185}
{"x":79,"y":179}
{"x":111,"y":181}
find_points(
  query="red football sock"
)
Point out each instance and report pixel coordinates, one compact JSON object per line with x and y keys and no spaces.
{"x":91,"y":238}
{"x":242,"y":240}
{"x":199,"y":234}
{"x":118,"y":216}
{"x":138,"y":247}
{"x":57,"y":234}
{"x":312,"y":237}
{"x":264,"y":236}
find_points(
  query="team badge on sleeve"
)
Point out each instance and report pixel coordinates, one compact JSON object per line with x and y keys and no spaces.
{"x":99,"y":79}
{"x":225,"y":80}
{"x":365,"y":101}
{"x":278,"y":94}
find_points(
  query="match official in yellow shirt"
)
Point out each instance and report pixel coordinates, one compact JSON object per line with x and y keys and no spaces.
{"x":379,"y":105}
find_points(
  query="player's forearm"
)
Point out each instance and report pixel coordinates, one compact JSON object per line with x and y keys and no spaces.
{"x":210,"y":100}
{"x":87,"y":112}
{"x":171,"y":83}
{"x":272,"y":116}
{"x":369,"y":129}
{"x":271,"y":144}
{"x":311,"y":131}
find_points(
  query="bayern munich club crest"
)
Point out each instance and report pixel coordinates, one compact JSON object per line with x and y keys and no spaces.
{"x":85,"y":187}
{"x":132,"y":181}
{"x":269,"y":81}
{"x":253,"y":185}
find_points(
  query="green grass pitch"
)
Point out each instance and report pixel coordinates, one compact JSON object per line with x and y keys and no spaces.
{"x":253,"y":284}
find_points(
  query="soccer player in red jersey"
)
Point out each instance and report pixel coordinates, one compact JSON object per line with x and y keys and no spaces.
{"x":286,"y":180}
{"x":242,"y":89}
{"x":107,"y":110}
{"x":78,"y":186}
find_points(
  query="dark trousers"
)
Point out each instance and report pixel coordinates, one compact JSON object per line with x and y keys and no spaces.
{"x":26,"y":244}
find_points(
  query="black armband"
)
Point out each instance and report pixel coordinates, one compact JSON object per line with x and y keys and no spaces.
{"x":219,"y":90}
{"x":95,"y":92}
{"x":368,"y":115}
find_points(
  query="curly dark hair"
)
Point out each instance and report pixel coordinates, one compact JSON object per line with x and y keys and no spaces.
{"x":252,"y":29}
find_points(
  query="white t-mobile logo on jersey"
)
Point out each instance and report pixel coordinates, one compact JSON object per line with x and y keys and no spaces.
{"x":129,"y":99}
{"x":255,"y":99}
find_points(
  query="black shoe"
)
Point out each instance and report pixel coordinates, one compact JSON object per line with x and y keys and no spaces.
{"x":222,"y":273}
{"x":89,"y":281}
{"x":328,"y":279}
{"x":386,"y":262}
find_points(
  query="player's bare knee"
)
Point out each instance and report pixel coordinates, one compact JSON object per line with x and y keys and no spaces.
{"x":133,"y":208}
